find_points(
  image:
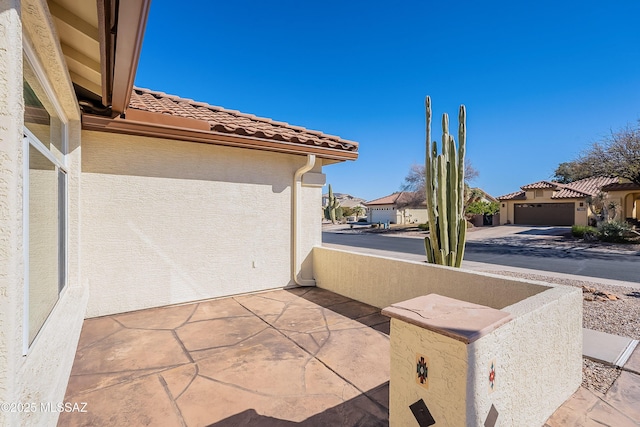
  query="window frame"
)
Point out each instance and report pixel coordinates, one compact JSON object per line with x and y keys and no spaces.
{"x":30,"y":140}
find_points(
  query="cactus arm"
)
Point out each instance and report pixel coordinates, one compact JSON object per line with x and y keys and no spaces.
{"x":429,"y":250}
{"x":461,"y":242}
{"x":442,"y":203}
{"x":431,"y":153}
{"x":444,"y":188}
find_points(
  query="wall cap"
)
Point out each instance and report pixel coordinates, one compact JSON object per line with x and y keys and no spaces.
{"x":460,"y":320}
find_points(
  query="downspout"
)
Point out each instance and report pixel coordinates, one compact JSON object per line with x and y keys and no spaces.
{"x":297,"y":178}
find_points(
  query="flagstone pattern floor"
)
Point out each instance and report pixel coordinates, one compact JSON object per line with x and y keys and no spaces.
{"x":302,"y":356}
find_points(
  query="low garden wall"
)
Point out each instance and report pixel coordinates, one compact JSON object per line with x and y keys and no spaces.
{"x":515,"y":371}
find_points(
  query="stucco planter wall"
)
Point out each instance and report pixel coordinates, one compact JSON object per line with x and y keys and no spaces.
{"x":537,"y":354}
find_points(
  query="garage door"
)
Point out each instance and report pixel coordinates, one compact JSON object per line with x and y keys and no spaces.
{"x":544,"y":213}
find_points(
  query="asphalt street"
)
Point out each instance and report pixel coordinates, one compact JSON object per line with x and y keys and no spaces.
{"x":568,"y":260}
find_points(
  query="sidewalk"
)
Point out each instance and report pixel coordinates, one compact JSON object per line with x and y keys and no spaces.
{"x":618,"y":407}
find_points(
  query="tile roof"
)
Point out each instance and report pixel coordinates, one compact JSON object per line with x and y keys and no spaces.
{"x":583,"y":188}
{"x":226,"y":121}
{"x":518,"y":195}
{"x":541,"y":184}
{"x":402,"y":197}
{"x":577,"y":189}
{"x":386,"y":200}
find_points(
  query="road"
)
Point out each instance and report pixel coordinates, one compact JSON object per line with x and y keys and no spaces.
{"x":560,"y":260}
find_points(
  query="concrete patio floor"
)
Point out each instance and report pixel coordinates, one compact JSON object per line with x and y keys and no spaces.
{"x":302,"y":356}
{"x":294,"y":357}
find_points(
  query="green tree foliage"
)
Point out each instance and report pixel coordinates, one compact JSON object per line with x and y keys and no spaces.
{"x":617,"y":155}
{"x":567,"y":172}
{"x":482,"y":208}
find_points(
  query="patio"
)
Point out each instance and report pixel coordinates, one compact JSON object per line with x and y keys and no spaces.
{"x":300,"y":356}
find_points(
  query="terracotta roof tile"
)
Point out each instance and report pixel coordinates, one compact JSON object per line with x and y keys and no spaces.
{"x":405,"y":198}
{"x":386,"y":200}
{"x":518,"y":195}
{"x":234,"y":122}
{"x":541,"y":184}
{"x":584,"y":187}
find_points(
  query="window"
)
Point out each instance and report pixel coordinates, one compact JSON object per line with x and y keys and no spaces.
{"x":539,"y":193}
{"x":45,"y":195}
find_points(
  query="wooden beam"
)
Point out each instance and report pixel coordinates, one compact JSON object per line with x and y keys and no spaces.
{"x":73,"y":21}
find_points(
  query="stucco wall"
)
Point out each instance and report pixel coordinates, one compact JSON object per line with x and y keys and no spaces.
{"x":165,"y":222}
{"x":416,"y":216}
{"x":11,"y":184}
{"x":627,"y":201}
{"x":382,"y":281}
{"x":41,"y":375}
{"x":538,"y":354}
{"x":445,"y":394}
{"x":545,"y":332}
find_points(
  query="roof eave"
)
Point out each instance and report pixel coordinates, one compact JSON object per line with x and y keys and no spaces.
{"x":155,"y":130}
{"x":121,"y":43}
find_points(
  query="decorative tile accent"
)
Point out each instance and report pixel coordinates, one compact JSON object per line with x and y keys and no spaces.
{"x":492,"y":376}
{"x":422,"y":414}
{"x":422,"y":371}
{"x":491,"y":417}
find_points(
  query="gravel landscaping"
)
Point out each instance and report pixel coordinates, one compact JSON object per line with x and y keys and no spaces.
{"x":606,"y":308}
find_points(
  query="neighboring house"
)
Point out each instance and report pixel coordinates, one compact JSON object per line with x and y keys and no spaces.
{"x":114,"y":198}
{"x":397,"y":208}
{"x":552,"y":203}
{"x":627,"y":197}
{"x":482,"y":196}
{"x":346,"y":201}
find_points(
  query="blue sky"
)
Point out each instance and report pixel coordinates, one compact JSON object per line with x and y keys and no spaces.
{"x":540,"y":80}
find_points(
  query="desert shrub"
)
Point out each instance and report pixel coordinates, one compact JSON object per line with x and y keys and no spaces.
{"x":583,"y":231}
{"x":424,"y":227}
{"x":482,"y":208}
{"x":613,"y":231}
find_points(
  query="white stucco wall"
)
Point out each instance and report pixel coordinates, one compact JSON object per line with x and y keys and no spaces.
{"x":382,"y":281}
{"x":416,"y":216}
{"x":165,"y":222}
{"x":41,"y":375}
{"x":446,"y":393}
{"x":545,"y":332}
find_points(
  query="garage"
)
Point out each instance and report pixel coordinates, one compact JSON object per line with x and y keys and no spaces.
{"x":544,"y":213}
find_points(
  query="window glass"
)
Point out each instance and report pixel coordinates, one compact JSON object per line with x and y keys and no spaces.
{"x":43,"y":240}
{"x":39,"y":113}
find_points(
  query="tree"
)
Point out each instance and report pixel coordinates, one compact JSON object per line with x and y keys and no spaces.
{"x":567,"y":172}
{"x":414,"y":183}
{"x":617,"y":155}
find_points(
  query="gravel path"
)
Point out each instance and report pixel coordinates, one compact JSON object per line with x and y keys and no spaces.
{"x":619,"y":316}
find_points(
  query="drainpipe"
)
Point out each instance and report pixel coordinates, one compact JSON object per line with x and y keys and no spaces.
{"x":297,"y":178}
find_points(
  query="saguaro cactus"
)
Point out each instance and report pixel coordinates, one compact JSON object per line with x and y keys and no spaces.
{"x":332,"y":206}
{"x":445,"y":193}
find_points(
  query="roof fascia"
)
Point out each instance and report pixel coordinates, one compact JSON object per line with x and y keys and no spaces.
{"x":131,"y":22}
{"x":191,"y":134}
{"x":106,"y":38}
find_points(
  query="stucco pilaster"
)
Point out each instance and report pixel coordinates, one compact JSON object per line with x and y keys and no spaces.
{"x":11,"y":178}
